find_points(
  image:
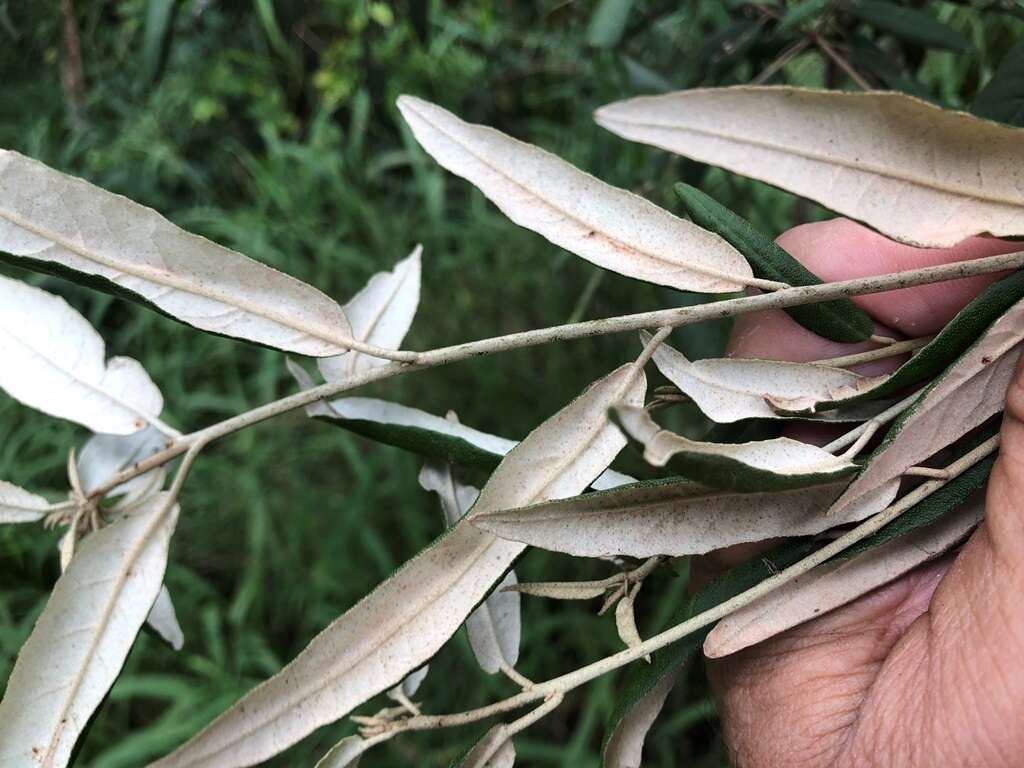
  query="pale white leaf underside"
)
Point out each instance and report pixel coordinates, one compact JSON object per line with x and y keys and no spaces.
{"x":83,"y":636}
{"x":911,"y":170}
{"x":68,"y":223}
{"x":53,"y":360}
{"x":607,"y":226}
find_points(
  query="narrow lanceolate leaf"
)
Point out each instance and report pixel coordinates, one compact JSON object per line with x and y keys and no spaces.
{"x":83,"y":636}
{"x":625,"y":745}
{"x":730,"y":389}
{"x":909,"y":169}
{"x":561,"y":590}
{"x":380,"y":314}
{"x":764,"y":465}
{"x":607,"y":226}
{"x":957,"y":335}
{"x":402,"y":623}
{"x":494,"y":627}
{"x":839,"y":582}
{"x":57,"y":223}
{"x":51,"y":359}
{"x":19,"y":506}
{"x":676,"y":517}
{"x":968,"y":393}
{"x":838,"y":320}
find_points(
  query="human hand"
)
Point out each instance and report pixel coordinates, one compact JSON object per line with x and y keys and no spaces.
{"x":925,"y":671}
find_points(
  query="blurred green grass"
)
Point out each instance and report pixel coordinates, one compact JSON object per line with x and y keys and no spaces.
{"x":270,"y":127}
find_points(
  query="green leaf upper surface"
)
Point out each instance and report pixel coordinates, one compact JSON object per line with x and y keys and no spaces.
{"x":908,"y":24}
{"x":1002,"y":98}
{"x":838,"y":320}
{"x":805,"y":11}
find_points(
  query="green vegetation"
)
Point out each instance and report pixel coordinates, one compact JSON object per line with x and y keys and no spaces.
{"x":271,"y":127}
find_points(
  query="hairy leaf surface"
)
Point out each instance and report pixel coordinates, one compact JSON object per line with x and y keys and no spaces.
{"x":909,"y":169}
{"x":676,"y":517}
{"x":731,"y":389}
{"x":494,"y":627}
{"x":62,"y":224}
{"x":607,"y":226}
{"x":83,"y":636}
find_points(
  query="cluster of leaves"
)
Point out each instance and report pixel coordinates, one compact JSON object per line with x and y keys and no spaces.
{"x":414,"y":434}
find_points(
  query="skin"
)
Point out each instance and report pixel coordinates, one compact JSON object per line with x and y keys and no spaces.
{"x":926,"y":671}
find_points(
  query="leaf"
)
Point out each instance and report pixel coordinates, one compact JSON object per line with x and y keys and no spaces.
{"x":53,"y":361}
{"x":494,"y":750}
{"x":420,"y":432}
{"x":157,"y":30}
{"x":763,"y":465}
{"x":607,"y":226}
{"x":957,"y":336}
{"x":380,"y":314}
{"x":866,"y":56}
{"x":837,"y":583}
{"x":624,"y":746}
{"x":1002,"y":98}
{"x":494,"y":627}
{"x":405,"y":620}
{"x":83,"y":636}
{"x":164,"y":620}
{"x":608,"y":22}
{"x":731,"y":389}
{"x":907,"y":168}
{"x":676,"y":517}
{"x":103,"y":456}
{"x":838,"y":320}
{"x":642,"y":679}
{"x":969,"y":392}
{"x":57,"y":223}
{"x":908,"y":24}
{"x":409,"y":685}
{"x":19,"y":506}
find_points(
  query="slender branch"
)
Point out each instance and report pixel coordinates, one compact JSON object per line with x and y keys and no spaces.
{"x":890,"y":350}
{"x":585,"y":674}
{"x":665,"y":318}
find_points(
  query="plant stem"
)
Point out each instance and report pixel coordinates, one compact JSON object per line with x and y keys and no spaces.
{"x":578,"y":677}
{"x":665,"y":318}
{"x":890,"y":350}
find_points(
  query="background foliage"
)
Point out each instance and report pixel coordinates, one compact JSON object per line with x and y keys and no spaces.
{"x":270,"y":127}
